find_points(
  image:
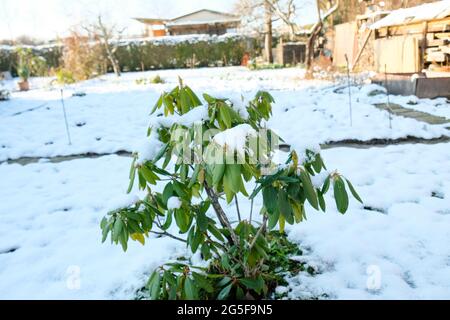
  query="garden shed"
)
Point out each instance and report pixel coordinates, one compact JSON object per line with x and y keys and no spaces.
{"x":413,"y":47}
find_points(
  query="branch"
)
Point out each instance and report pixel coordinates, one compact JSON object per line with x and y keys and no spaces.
{"x":292,"y":25}
{"x":324,"y":17}
{"x":221,"y":214}
{"x":251,"y":211}
{"x":165,"y":233}
{"x":237,"y":208}
{"x":260,"y":231}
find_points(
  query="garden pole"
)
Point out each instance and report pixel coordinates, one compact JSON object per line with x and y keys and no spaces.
{"x":349,"y":91}
{"x":65,"y":117}
{"x":388,"y":100}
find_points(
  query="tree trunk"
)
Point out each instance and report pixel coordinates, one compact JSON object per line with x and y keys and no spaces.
{"x":312,"y":40}
{"x":113,"y":60}
{"x":310,"y":46}
{"x":268,"y":32}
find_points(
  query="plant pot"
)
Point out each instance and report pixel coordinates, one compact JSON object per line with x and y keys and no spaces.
{"x":24,"y":85}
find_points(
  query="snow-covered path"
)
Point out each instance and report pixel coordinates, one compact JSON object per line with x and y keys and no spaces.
{"x":49,"y":213}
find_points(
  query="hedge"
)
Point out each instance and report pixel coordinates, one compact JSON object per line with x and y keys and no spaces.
{"x":156,"y":53}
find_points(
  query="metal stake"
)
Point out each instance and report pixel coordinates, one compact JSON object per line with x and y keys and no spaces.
{"x":65,"y":117}
{"x":349,"y":91}
{"x":388,"y":100}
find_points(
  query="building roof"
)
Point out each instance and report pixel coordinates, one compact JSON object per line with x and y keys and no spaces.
{"x":203,"y":16}
{"x":424,"y":12}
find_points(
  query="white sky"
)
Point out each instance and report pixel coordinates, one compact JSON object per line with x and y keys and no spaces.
{"x":49,"y":18}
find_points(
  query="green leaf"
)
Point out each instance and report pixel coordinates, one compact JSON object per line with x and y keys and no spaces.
{"x":224,"y":282}
{"x":242,"y":189}
{"x":240,"y":295}
{"x":215,"y":232}
{"x":202,"y":282}
{"x":206,"y":251}
{"x":253,"y":284}
{"x":118,"y":226}
{"x":225,"y":264}
{"x":227,"y":189}
{"x":317,"y":164}
{"x":167,"y":193}
{"x":322,"y":203}
{"x":123,"y":238}
{"x":198,"y":237}
{"x":353,"y":191}
{"x":103,"y":223}
{"x":298,"y":211}
{"x":160,"y":154}
{"x":105,"y":232}
{"x":179,"y":189}
{"x":326,"y":185}
{"x":208,"y":98}
{"x":202,"y":221}
{"x":284,"y":206}
{"x":149,"y":176}
{"x":282,"y":224}
{"x":225,"y":115}
{"x":153,"y":285}
{"x":204,"y":206}
{"x":184,"y":173}
{"x":340,"y":195}
{"x":132,"y":175}
{"x":194,"y":176}
{"x":185,"y":101}
{"x":218,"y":172}
{"x":270,"y":199}
{"x":190,"y":290}
{"x":182,"y":220}
{"x":168,"y":222}
{"x":233,"y":177}
{"x":310,"y":192}
{"x":158,"y":104}
{"x":225,"y":292}
{"x":142,"y":181}
{"x":195,"y":100}
{"x":273,"y":219}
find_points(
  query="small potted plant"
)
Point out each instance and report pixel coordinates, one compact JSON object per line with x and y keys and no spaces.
{"x":24,"y":64}
{"x":24,"y":73}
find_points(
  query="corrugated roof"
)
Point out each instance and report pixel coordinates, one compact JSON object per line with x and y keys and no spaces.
{"x":424,"y":12}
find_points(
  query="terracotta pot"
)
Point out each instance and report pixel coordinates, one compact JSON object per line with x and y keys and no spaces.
{"x":24,"y":85}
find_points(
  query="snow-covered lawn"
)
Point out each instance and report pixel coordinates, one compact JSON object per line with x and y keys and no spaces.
{"x":50,"y":240}
{"x":50,"y":213}
{"x":399,"y":251}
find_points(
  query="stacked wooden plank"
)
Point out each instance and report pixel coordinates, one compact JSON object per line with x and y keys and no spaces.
{"x":438,"y":48}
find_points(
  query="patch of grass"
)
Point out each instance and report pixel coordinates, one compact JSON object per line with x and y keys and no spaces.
{"x":265,"y":66}
{"x":155,"y":80}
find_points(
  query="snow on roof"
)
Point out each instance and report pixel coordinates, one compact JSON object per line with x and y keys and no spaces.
{"x":204,"y":16}
{"x":223,"y":15}
{"x":195,"y":22}
{"x":428,"y":11}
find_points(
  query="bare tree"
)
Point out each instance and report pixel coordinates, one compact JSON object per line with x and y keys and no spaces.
{"x":287,"y":14}
{"x":268,"y":31}
{"x":105,"y":35}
